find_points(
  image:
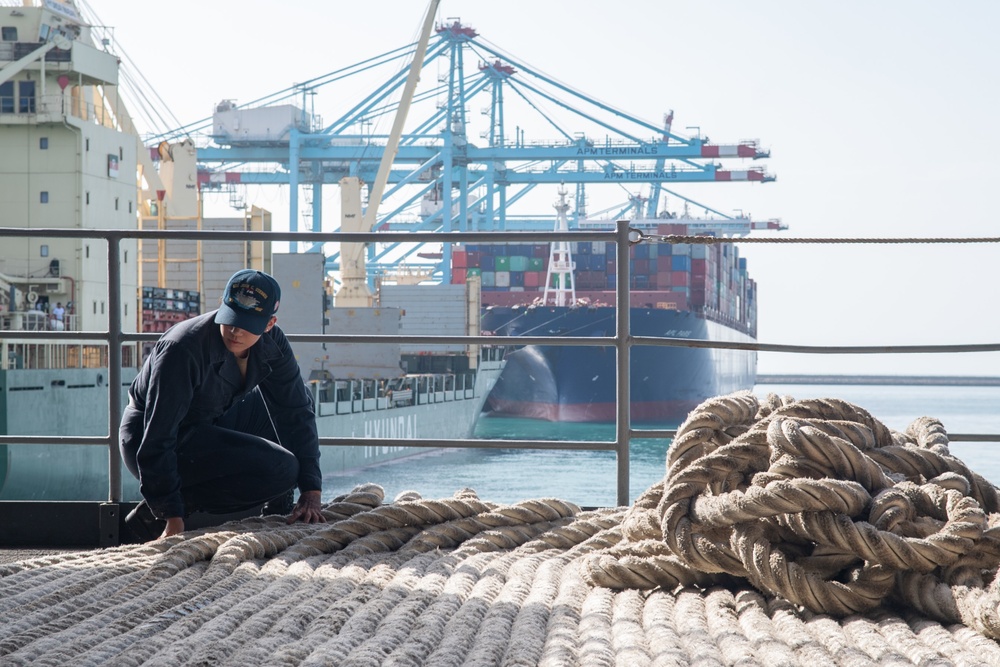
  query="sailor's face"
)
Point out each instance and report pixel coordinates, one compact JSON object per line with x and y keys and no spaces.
{"x":238,"y":341}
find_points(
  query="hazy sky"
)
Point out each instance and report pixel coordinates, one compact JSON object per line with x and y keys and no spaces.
{"x":880,"y":116}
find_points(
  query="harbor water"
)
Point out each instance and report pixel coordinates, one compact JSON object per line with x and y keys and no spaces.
{"x":589,"y":478}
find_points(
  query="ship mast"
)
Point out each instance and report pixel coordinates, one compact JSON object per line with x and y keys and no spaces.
{"x":559,"y":279}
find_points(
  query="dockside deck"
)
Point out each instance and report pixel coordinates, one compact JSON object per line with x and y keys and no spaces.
{"x":767,"y":569}
{"x":447,"y":582}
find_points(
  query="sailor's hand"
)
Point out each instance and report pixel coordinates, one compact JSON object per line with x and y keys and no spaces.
{"x":308,"y":509}
{"x":175,"y":526}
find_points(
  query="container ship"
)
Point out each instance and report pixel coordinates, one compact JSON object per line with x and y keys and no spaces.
{"x":678,"y":290}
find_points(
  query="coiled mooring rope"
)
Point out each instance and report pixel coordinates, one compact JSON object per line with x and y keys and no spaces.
{"x":818,"y":502}
{"x":783,"y":533}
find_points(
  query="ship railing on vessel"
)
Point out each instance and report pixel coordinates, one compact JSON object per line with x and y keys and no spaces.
{"x":99,"y":523}
{"x":53,"y":106}
{"x":347,"y":396}
{"x":37,"y":320}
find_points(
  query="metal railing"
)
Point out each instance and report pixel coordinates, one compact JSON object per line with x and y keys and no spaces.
{"x":54,"y":105}
{"x":622,"y":341}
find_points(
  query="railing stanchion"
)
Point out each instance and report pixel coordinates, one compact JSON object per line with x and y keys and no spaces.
{"x":114,"y":367}
{"x":623,"y":340}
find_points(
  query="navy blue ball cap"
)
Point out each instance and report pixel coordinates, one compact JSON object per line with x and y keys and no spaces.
{"x":249,"y":301}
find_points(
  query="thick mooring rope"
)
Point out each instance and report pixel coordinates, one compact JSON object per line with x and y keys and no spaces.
{"x":819,"y":503}
{"x":784,"y":533}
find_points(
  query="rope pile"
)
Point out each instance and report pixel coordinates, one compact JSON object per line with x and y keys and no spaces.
{"x":784,"y":533}
{"x":818,"y":502}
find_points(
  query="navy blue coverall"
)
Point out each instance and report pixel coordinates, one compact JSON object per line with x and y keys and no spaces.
{"x":199,"y":438}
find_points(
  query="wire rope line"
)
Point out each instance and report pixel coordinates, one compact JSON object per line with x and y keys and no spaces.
{"x":641,"y":236}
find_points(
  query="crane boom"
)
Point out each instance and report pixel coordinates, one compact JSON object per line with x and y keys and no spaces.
{"x":354,"y":280}
{"x":9,"y":70}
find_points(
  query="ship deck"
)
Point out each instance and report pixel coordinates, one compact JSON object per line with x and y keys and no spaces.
{"x":783,"y":569}
{"x":424,"y":582}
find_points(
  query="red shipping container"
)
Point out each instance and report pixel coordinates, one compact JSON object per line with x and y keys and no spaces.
{"x":458,"y":276}
{"x":699,"y":267}
{"x":473,"y":259}
{"x":672,"y":228}
{"x":680,"y":278}
{"x":533,"y":278}
{"x":459,"y":259}
{"x":663,"y":279}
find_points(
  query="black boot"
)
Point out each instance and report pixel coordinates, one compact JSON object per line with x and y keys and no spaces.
{"x":283,"y":504}
{"x":141,"y":525}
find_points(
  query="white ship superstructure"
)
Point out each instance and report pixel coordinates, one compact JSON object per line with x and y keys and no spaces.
{"x":65,"y":162}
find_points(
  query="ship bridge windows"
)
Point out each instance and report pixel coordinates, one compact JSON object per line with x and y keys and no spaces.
{"x":7,"y":97}
{"x":26,"y":96}
{"x":8,"y":33}
{"x":24,"y":102}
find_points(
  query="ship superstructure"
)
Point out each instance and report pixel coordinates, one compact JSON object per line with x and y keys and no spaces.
{"x":66,"y":161}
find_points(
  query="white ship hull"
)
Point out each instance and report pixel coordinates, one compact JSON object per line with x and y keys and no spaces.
{"x":74,"y":402}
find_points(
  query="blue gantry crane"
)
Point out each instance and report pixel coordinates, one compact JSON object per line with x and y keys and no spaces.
{"x":455,"y":170}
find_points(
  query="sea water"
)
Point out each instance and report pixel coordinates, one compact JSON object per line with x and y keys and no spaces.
{"x":590,"y":478}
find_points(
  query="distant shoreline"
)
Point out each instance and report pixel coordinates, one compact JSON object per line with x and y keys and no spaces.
{"x":924,"y":380}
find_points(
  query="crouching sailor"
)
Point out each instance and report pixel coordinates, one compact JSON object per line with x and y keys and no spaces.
{"x":219,"y":419}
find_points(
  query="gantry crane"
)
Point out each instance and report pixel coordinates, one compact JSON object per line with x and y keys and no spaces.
{"x":442,"y":177}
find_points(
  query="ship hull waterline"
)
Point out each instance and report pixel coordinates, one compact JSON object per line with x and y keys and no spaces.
{"x":578,"y":384}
